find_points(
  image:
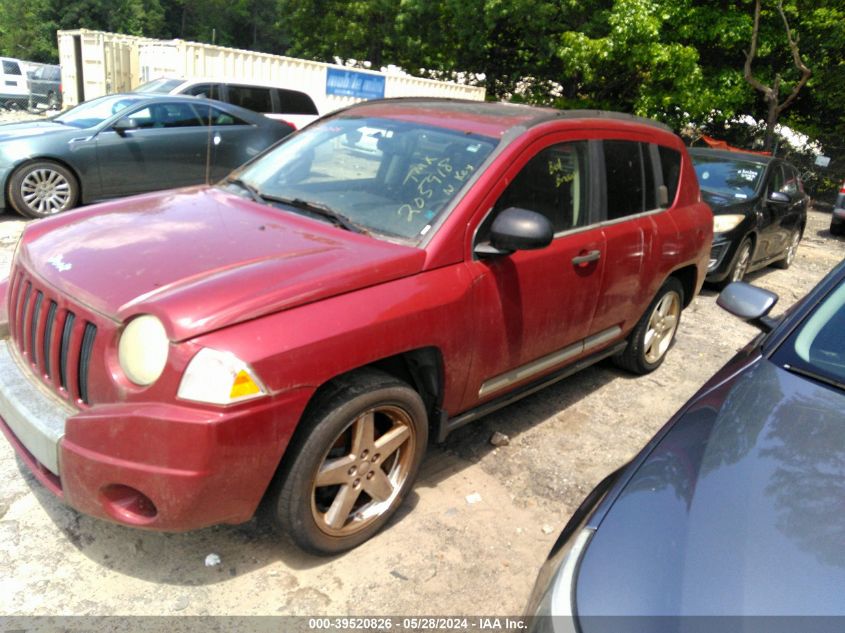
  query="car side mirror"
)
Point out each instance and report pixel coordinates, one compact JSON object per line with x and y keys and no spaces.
{"x":516,"y":229}
{"x":779,"y":199}
{"x":749,"y":303}
{"x":124,"y":125}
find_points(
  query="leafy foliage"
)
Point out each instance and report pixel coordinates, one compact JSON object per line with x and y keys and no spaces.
{"x":680,"y":61}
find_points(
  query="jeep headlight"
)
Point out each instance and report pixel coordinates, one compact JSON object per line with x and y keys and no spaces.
{"x":142,"y":350}
{"x":218,"y":377}
{"x":723,"y":223}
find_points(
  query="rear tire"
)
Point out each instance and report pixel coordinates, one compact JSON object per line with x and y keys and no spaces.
{"x":655,"y":332}
{"x":354,"y":462}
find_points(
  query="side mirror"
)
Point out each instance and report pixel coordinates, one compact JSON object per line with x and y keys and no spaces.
{"x":122,"y":126}
{"x":779,"y":199}
{"x":517,"y":229}
{"x":749,"y":303}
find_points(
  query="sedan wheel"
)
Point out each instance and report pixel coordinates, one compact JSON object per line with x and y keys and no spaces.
{"x":743,"y":259}
{"x":42,"y":189}
{"x":352,"y":469}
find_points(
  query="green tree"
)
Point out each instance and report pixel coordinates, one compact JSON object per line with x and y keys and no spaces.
{"x":27,"y":30}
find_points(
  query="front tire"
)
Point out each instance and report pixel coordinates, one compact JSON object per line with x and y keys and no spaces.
{"x":359,"y":455}
{"x":42,"y":188}
{"x":655,"y":332}
{"x":791,"y":250}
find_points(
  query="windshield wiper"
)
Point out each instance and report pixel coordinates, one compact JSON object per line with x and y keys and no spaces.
{"x":317,"y":208}
{"x":253,"y":192}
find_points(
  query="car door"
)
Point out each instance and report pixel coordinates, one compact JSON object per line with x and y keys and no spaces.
{"x":535,"y":307}
{"x":632,"y":220}
{"x":166,"y":148}
{"x":233,"y":140}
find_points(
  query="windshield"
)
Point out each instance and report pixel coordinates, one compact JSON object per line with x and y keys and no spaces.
{"x":817,"y":347}
{"x":160,"y":86}
{"x":734,"y":178}
{"x":96,"y":111}
{"x":387,"y":176}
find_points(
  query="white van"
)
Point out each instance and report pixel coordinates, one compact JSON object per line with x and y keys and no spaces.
{"x":13,"y":89}
{"x":292,"y":106}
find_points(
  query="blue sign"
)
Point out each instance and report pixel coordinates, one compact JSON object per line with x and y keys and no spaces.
{"x":348,"y":83}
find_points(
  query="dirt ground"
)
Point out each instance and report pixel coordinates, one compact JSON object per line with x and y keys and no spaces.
{"x":469,"y":540}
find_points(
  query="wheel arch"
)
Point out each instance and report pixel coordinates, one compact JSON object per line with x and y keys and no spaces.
{"x":421,"y":368}
{"x":688,"y":276}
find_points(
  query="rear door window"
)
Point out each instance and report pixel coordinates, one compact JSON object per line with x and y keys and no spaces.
{"x":253,"y":98}
{"x":629,"y":178}
{"x":215,"y":116}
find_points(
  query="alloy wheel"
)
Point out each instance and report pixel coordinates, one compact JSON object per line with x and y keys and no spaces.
{"x":661,"y":327}
{"x":46,"y":191}
{"x":363,"y":471}
{"x":742,"y":262}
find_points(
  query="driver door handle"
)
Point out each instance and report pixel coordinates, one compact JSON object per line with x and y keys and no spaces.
{"x":586,"y":258}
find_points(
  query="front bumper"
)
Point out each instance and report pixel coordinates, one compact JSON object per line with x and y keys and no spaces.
{"x":159,"y":466}
{"x":722,"y":253}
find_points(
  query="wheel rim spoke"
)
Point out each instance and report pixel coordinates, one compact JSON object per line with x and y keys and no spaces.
{"x":388,"y":443}
{"x":362,"y":433}
{"x":343,"y":503}
{"x":335,"y":472}
{"x":378,"y":486}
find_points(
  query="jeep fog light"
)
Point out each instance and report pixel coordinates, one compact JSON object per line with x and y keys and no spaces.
{"x":219,"y":377}
{"x":142,"y":351}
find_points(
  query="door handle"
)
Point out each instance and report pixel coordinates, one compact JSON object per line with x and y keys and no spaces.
{"x":589,"y":256}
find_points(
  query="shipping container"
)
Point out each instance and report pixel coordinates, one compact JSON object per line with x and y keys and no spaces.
{"x":95,"y":63}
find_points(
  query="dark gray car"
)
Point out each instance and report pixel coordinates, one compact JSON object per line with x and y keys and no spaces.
{"x":125,"y":144}
{"x":735,"y":508}
{"x":45,"y":87}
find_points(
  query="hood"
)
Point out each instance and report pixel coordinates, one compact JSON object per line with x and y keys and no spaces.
{"x":11,"y":131}
{"x":737,"y":511}
{"x":201,"y":259}
{"x":723,"y":203}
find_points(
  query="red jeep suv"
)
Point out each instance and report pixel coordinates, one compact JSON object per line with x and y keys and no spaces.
{"x":299,"y":332}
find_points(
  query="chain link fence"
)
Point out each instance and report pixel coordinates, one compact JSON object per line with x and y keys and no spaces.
{"x":43,"y":94}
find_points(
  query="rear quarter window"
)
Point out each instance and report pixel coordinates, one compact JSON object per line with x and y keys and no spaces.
{"x":295,"y":102}
{"x":670,"y":166}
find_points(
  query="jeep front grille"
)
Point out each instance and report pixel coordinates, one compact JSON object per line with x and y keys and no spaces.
{"x":51,"y":338}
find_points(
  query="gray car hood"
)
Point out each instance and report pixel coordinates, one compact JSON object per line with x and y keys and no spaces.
{"x":22,"y":130}
{"x":740,"y":509}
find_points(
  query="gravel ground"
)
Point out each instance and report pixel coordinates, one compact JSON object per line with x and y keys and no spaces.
{"x":469,"y":540}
